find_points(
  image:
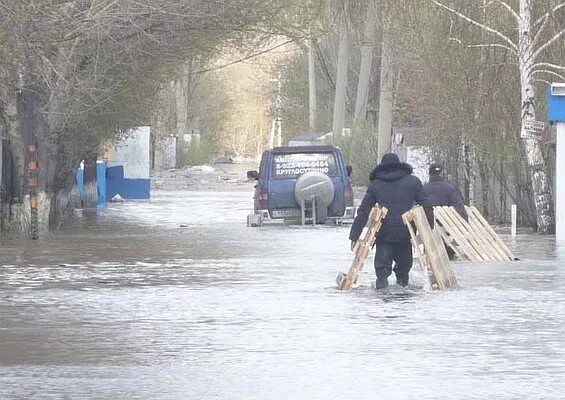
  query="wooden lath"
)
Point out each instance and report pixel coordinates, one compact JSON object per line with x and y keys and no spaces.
{"x":475,"y":240}
{"x":432,"y":256}
{"x":346,"y":281}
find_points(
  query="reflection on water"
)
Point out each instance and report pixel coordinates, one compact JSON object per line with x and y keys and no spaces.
{"x":126,"y":303}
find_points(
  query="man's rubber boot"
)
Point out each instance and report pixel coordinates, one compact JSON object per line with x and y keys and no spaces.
{"x":381,"y":283}
{"x":401,"y":280}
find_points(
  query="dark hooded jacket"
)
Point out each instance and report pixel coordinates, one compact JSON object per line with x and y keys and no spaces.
{"x":442,"y":193}
{"x":394,"y":187}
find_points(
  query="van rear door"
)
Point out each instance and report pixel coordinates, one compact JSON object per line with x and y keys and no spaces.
{"x":287,"y":167}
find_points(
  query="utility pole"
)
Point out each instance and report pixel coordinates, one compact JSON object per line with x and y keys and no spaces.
{"x":312,"y":86}
{"x":386,"y":88}
{"x":279,"y":111}
{"x":278,"y":114}
{"x":341,"y":77}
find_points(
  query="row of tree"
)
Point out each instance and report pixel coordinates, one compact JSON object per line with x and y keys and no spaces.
{"x":466,"y":77}
{"x":75,"y":74}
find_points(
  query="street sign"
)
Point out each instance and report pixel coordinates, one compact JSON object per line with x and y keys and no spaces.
{"x":533,"y":125}
{"x":532,"y":129}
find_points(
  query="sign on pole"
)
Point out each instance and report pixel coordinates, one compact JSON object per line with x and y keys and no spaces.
{"x":532,"y":129}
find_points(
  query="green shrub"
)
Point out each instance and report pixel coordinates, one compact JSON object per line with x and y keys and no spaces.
{"x":197,"y":153}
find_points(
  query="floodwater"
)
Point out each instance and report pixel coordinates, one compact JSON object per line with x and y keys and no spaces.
{"x":176,"y":298}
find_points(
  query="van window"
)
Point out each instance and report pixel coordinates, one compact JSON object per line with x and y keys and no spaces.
{"x":291,"y":166}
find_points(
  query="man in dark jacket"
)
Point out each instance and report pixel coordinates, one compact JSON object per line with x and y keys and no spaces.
{"x":392,"y":186}
{"x":442,"y":193}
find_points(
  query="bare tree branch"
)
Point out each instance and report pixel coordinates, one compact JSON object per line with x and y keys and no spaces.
{"x":542,"y":81}
{"x":510,"y":9}
{"x":5,"y":7}
{"x":548,"y":14}
{"x":544,"y":46}
{"x":480,"y":25}
{"x":540,"y":31}
{"x":499,"y":45}
{"x":546,"y":71}
{"x":548,"y":65}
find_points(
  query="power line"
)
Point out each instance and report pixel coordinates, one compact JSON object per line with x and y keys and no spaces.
{"x":241,"y":59}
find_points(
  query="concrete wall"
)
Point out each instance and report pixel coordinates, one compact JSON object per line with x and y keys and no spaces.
{"x":132,"y":153}
{"x":128,"y":166}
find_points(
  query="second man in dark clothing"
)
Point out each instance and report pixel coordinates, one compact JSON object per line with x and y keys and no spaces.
{"x":392,"y":186}
{"x":442,"y":193}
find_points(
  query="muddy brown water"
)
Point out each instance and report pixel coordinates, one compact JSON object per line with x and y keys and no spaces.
{"x":126,"y":303}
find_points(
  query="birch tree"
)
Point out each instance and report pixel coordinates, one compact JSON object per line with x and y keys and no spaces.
{"x":530,"y":46}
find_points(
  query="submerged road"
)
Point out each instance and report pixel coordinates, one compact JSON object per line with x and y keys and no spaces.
{"x":176,"y":298}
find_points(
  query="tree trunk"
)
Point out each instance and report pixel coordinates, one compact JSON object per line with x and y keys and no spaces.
{"x":485,"y":187}
{"x":90,"y":198}
{"x":313,"y":104}
{"x":182,"y":100}
{"x":502,"y":194}
{"x":469,"y":173}
{"x":16,"y":148}
{"x":272,"y":134}
{"x":538,"y":170}
{"x":7,"y":184}
{"x":28,"y":111}
{"x":367,"y":52}
{"x":386,"y":94}
{"x":341,"y":78}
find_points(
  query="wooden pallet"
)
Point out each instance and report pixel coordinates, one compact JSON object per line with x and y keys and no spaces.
{"x":430,"y":250}
{"x":346,"y":281}
{"x":475,"y":240}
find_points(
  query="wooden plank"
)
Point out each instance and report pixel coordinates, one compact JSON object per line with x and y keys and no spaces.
{"x":459,"y":232}
{"x":435,"y":253}
{"x":346,"y":281}
{"x":418,"y":248}
{"x":483,"y":240}
{"x":494,"y":239}
{"x":486,"y":226}
{"x":446,"y":272}
{"x":450,"y":240}
{"x":488,"y":241}
{"x":480,"y":231}
{"x":475,"y":238}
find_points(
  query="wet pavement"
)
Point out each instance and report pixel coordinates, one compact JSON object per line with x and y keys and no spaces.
{"x":176,"y":298}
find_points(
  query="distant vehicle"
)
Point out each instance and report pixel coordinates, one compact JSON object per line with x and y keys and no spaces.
{"x":290,"y":177}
